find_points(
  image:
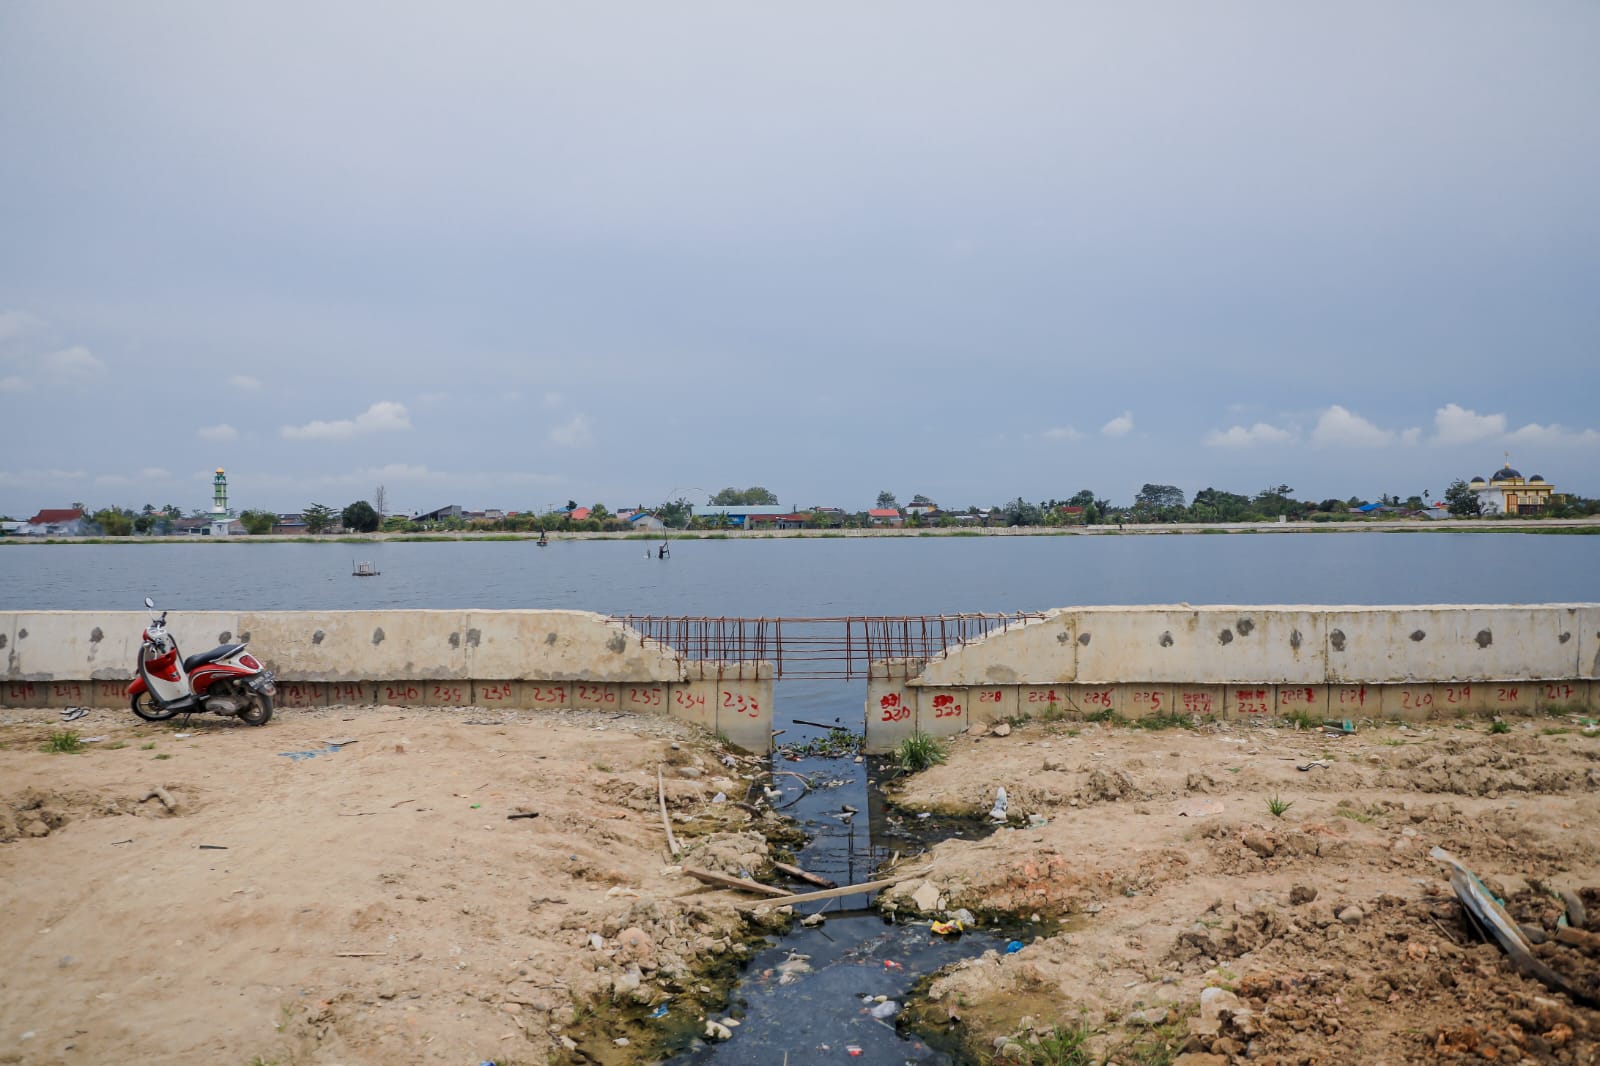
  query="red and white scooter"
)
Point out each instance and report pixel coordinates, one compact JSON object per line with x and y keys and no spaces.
{"x":226,"y":680}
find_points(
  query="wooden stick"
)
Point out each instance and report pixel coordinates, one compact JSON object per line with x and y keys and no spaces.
{"x":804,"y":875}
{"x":724,"y":881}
{"x":661,"y":798}
{"x":818,"y":725}
{"x":807,"y":897}
{"x":358,"y":954}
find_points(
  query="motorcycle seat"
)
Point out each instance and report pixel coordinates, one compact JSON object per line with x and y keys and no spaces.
{"x":221,"y":651}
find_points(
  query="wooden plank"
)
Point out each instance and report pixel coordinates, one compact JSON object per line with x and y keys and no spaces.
{"x":804,"y":875}
{"x":724,"y":881}
{"x":831,"y":893}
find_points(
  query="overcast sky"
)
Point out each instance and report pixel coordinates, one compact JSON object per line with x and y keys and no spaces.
{"x":504,"y":255}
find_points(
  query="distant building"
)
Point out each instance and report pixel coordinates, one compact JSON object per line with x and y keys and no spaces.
{"x":221,"y":516}
{"x":1507,"y":492}
{"x":922,"y":508}
{"x":885,"y":516}
{"x":452,"y":511}
{"x":62,"y":522}
{"x":645,"y":522}
{"x":743,"y":517}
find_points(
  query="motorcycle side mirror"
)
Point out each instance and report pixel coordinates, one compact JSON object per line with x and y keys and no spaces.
{"x":148,"y":602}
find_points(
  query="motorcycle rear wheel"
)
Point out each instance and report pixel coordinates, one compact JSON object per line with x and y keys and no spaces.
{"x":259,"y":710}
{"x":146,"y":707}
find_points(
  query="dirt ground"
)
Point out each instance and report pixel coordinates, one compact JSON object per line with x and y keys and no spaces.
{"x":1325,"y":933}
{"x":374,"y":903}
{"x":354,"y":887}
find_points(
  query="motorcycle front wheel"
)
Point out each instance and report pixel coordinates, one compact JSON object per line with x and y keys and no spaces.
{"x":146,"y":707}
{"x":259,"y":711}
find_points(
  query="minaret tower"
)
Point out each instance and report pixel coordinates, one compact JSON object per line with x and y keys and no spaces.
{"x":219,"y":504}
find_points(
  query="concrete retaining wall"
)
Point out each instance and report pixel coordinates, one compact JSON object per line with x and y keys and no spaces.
{"x":514,"y":659}
{"x":1410,"y":662}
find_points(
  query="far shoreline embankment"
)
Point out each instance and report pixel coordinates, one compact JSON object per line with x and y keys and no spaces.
{"x":1588,"y":525}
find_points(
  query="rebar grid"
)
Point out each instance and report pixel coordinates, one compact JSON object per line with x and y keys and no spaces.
{"x":841,"y":648}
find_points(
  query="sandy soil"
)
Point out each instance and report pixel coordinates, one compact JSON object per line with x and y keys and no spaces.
{"x":1326,"y":934}
{"x":379,"y":903}
{"x":374,"y":903}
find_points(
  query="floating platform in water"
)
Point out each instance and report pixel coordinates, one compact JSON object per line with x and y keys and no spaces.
{"x":364,"y":570}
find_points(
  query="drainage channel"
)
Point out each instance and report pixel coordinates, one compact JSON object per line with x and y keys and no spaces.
{"x":831,"y":992}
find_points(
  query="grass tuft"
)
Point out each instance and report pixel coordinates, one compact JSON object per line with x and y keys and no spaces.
{"x":1278,"y":806}
{"x":66,"y":741}
{"x":920,"y":751}
{"x":1500,"y":725}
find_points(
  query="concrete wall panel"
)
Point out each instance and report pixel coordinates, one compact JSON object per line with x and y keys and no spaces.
{"x":22,"y":693}
{"x":645,"y":697}
{"x":1519,"y":642}
{"x":1034,"y":652}
{"x":99,"y":645}
{"x":1209,"y":645}
{"x":1039,"y":701}
{"x":1248,"y":701}
{"x":1586,"y":635}
{"x":1307,"y":700}
{"x":1561,"y":696}
{"x":1203,"y":701}
{"x":589,"y":696}
{"x":1145,"y":700}
{"x":111,"y":694}
{"x":1092,"y":701}
{"x":941,"y":712}
{"x":744,"y":710}
{"x":991,"y":703}
{"x":1511,"y":697}
{"x":890,"y":706}
{"x":1408,"y":703}
{"x":1460,"y":699}
{"x":695,"y":702}
{"x":297,"y":695}
{"x":497,"y":695}
{"x":1354,"y":701}
{"x":360,"y":645}
{"x":350,"y":694}
{"x":543,"y":695}
{"x":10,"y":660}
{"x":561,"y":646}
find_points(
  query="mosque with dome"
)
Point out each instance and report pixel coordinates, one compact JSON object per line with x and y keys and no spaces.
{"x":1508,"y":492}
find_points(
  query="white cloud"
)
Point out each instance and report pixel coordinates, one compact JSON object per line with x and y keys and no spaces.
{"x":1062,"y":433}
{"x":382,"y":417}
{"x":39,"y":477}
{"x":1553,"y":435}
{"x":16,"y":323}
{"x":574,"y":434}
{"x":1120,"y":426}
{"x":1453,"y":424}
{"x":554,"y":399}
{"x":112,"y":480}
{"x":1338,"y":427}
{"x":12,"y":383}
{"x":222,"y":432}
{"x":1411,"y":436}
{"x":244,"y":381}
{"x":1240,"y":437}
{"x":155,"y":473}
{"x":73,"y":364}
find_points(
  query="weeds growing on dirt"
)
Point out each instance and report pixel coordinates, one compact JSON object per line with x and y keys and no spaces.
{"x":115,"y":744}
{"x":919,"y":752}
{"x":147,"y":747}
{"x":1303,"y":720}
{"x":1062,"y":1046}
{"x":1352,"y":814}
{"x":163,"y":755}
{"x":1277,"y":805}
{"x":1500,"y":725}
{"x":1163,"y":721}
{"x":65,"y":741}
{"x":1104,"y":715}
{"x":1051,"y":713}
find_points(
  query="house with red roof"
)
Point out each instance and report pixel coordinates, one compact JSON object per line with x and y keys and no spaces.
{"x":60,"y":522}
{"x":885,"y":516}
